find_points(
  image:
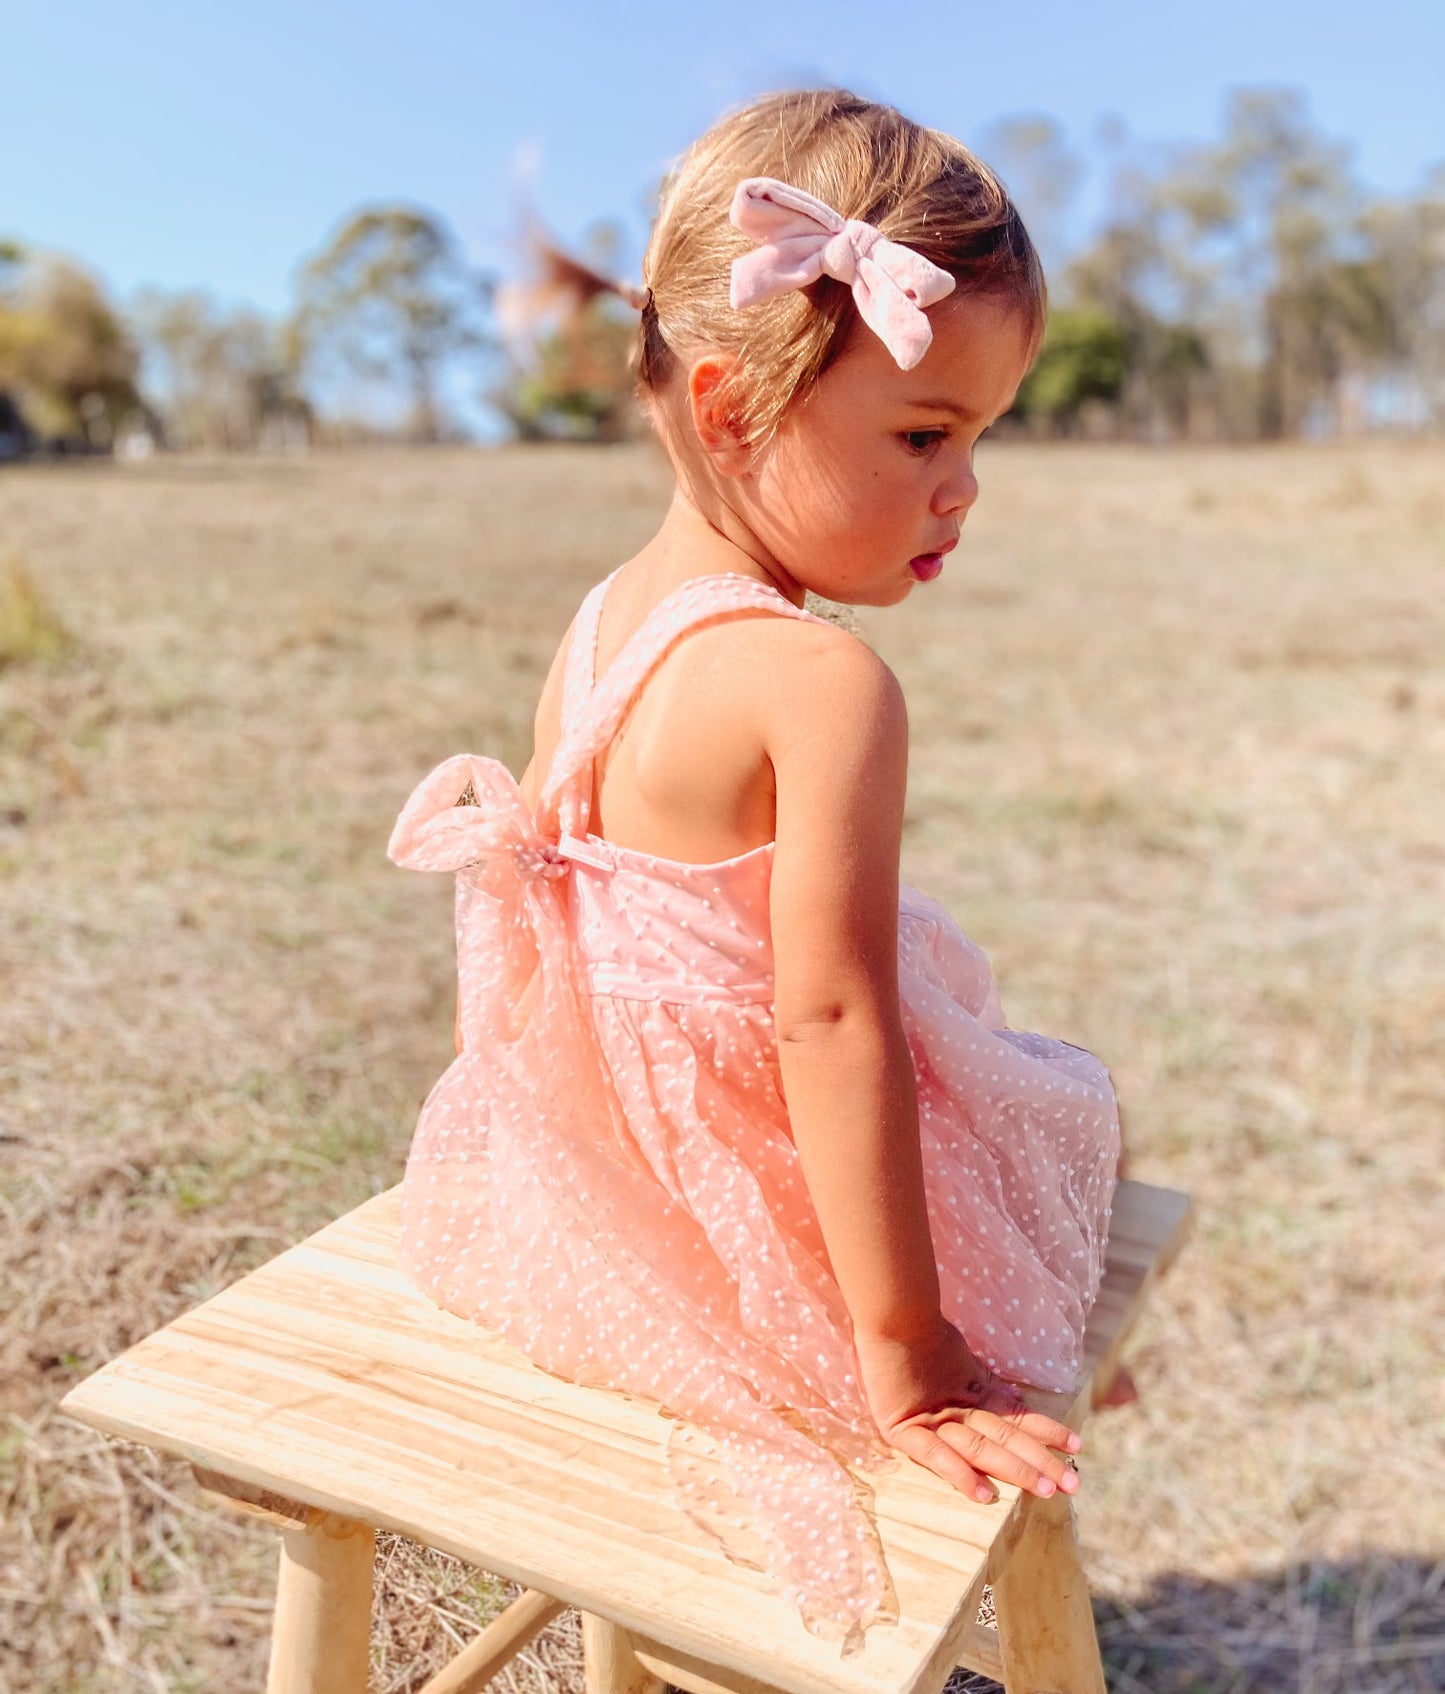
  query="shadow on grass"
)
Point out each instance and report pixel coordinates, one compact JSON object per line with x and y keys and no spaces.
{"x":1373,"y":1625}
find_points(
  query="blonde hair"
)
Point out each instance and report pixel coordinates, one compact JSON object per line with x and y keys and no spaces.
{"x":919,"y":186}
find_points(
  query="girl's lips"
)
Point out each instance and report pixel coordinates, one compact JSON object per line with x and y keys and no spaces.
{"x":926,"y":566}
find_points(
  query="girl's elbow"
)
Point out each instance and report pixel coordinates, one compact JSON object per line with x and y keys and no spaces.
{"x":863,"y":1017}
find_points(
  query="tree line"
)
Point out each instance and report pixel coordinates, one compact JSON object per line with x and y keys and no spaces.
{"x":1248,"y":288}
{"x":1245,"y":288}
{"x":383,"y":309}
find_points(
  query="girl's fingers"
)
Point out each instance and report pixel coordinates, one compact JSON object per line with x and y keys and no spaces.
{"x":1002,"y":1399}
{"x":1050,"y":1432}
{"x":1003,"y":1450}
{"x":1040,"y":1426}
{"x":972,"y":1445}
{"x":1032,"y":1444}
{"x":920,"y":1442}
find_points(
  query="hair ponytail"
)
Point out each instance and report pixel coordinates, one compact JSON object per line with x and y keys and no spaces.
{"x":561,"y":286}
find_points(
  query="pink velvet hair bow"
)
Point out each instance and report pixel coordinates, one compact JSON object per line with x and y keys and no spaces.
{"x":801,"y":239}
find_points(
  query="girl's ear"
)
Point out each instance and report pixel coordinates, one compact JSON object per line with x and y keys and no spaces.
{"x":712,"y":408}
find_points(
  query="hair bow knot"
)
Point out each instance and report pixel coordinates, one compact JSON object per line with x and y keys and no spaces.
{"x":801,"y":238}
{"x":853,"y":243}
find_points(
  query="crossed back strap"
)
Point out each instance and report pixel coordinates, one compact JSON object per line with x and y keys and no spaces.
{"x":593,"y":708}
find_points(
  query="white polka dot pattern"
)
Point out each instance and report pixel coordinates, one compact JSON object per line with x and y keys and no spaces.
{"x":606,"y":1174}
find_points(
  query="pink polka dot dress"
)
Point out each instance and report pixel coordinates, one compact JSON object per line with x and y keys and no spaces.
{"x":606,"y":1176}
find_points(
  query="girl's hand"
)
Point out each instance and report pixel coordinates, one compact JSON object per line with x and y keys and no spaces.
{"x":936,"y":1402}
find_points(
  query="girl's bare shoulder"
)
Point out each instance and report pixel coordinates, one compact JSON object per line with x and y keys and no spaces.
{"x":834,"y":724}
{"x":812,"y":677}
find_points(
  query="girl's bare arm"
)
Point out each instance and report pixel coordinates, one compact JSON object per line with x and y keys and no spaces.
{"x":839,"y":747}
{"x":837,"y":735}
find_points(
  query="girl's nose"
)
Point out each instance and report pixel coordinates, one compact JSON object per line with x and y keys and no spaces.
{"x":957,"y":494}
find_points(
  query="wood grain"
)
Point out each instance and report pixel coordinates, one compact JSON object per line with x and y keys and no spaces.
{"x":1046,"y":1633}
{"x":320,"y":1640}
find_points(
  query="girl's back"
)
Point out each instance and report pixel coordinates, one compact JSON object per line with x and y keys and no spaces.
{"x":688,"y":775}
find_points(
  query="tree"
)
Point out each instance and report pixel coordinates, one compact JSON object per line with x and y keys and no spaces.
{"x":390,"y":298}
{"x":12,"y":257}
{"x":1084,"y":357}
{"x":577,"y":386}
{"x":220,"y":379}
{"x":65,"y":355}
{"x":1136,"y":279}
{"x":1249,"y":277}
{"x":1265,"y":217}
{"x":570,"y":337}
{"x":1403,"y":242}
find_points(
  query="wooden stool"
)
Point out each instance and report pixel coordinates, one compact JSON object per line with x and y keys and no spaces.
{"x":328,"y":1395}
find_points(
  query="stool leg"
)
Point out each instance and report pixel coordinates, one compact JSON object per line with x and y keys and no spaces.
{"x":321,"y":1639}
{"x":1045,"y":1623}
{"x":609,"y":1664}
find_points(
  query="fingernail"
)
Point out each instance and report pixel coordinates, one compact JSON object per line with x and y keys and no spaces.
{"x":1069,"y":1481}
{"x":983,"y":1494}
{"x":1045,"y":1488}
{"x":1075,"y":1442}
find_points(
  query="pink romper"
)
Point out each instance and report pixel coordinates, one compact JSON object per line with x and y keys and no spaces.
{"x":606,"y":1176}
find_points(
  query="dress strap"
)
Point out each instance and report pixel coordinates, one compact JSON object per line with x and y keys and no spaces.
{"x":594,"y":708}
{"x":582,"y":655}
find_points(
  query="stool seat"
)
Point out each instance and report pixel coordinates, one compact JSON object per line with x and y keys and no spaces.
{"x":327,"y":1379}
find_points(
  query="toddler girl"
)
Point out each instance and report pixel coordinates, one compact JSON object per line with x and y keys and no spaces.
{"x":736,"y":1124}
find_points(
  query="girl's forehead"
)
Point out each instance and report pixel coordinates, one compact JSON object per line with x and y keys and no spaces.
{"x":982,"y":345}
{"x":984,"y":337}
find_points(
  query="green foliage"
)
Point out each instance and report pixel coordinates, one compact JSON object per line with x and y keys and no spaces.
{"x":577,"y":386}
{"x":1085,"y":356}
{"x":1240,"y":287}
{"x":570,"y":339}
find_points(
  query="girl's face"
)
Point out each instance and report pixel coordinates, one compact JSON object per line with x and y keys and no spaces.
{"x":869,"y":478}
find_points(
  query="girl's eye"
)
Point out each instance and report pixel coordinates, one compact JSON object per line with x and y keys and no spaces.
{"x":920,"y":440}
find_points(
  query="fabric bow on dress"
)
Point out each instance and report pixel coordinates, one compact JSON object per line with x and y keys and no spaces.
{"x":470,"y":816}
{"x":802,"y":239}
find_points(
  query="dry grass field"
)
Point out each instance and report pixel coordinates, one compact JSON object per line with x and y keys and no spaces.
{"x":1178,"y":730}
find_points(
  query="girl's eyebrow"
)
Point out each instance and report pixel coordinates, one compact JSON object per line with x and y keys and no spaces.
{"x":947,"y":406}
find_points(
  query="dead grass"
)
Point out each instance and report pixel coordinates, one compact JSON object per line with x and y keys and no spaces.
{"x":30,"y":632}
{"x":1177,"y":723}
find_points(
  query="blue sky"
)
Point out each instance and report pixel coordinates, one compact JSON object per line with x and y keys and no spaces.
{"x":215,"y":145}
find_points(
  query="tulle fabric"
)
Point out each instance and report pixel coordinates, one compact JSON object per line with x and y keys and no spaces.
{"x":606,"y":1175}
